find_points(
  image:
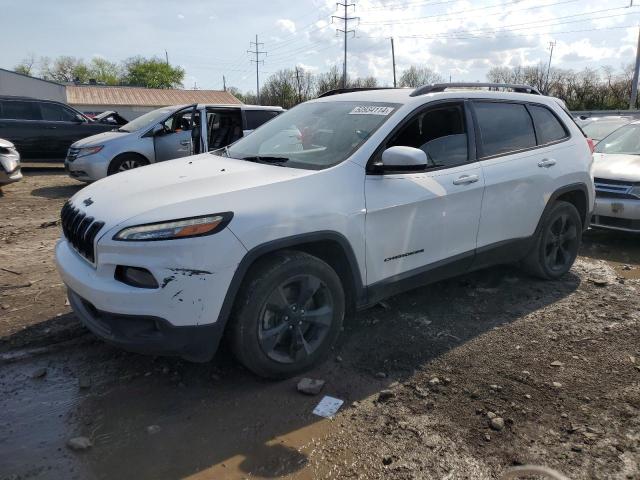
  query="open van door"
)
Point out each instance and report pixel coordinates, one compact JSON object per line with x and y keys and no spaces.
{"x":174,"y":137}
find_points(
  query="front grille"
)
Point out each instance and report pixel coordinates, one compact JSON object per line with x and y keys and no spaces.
{"x":606,"y":188}
{"x":72,"y":154}
{"x":80,"y":230}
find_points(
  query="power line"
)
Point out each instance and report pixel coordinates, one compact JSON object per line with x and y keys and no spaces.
{"x":346,"y":19}
{"x":257,"y":61}
{"x":422,"y":19}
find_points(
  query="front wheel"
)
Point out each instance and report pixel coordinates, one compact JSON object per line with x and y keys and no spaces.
{"x":557,"y":243}
{"x":126,"y":162}
{"x":288,"y":315}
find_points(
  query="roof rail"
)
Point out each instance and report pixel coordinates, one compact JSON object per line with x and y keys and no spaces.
{"x":441,"y":87}
{"x":338,"y":91}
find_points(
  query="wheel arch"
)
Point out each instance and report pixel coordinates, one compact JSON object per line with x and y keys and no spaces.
{"x":577,"y":194}
{"x":331,"y":247}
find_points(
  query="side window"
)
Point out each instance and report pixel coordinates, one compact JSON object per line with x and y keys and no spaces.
{"x":440,"y":132}
{"x":255,"y":118}
{"x":16,"y":110}
{"x":56,"y":113}
{"x":504,"y":127}
{"x":178,"y":122}
{"x":548,"y":127}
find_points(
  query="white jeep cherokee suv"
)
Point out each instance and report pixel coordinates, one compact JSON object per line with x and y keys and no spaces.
{"x":328,"y":208}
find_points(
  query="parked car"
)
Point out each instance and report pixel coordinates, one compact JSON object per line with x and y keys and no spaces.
{"x":44,"y":129}
{"x":110,"y":117}
{"x":9,"y":163}
{"x":617,"y":180}
{"x":163,"y":134}
{"x":597,"y":128}
{"x":331,"y":206}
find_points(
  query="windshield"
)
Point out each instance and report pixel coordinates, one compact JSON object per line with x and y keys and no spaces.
{"x":313,"y":135}
{"x":600,"y":129}
{"x":147,"y":120}
{"x":624,"y":140}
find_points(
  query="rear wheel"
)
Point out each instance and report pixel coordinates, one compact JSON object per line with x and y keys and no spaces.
{"x":557,"y":243}
{"x":125,"y":162}
{"x":288,"y":315}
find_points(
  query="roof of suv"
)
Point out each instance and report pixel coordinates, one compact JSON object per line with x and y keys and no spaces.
{"x":403,"y":96}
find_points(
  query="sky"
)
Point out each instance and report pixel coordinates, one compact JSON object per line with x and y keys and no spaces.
{"x":460,"y":39}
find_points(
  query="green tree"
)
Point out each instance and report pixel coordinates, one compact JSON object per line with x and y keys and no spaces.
{"x":104,"y":71}
{"x":27,"y":65}
{"x":152,"y":73}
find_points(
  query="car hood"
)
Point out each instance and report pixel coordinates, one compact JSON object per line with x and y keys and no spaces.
{"x":184,"y":187}
{"x":616,"y":167}
{"x":100,"y":139}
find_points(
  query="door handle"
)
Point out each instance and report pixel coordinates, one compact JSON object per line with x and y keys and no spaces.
{"x":546,"y":163}
{"x":50,"y":128}
{"x":185,"y":142}
{"x":466,"y":179}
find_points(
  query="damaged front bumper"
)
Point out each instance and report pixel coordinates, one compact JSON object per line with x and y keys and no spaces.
{"x":148,"y":335}
{"x":179,"y":317}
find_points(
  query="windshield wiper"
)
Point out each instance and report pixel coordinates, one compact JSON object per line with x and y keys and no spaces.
{"x":265,"y":159}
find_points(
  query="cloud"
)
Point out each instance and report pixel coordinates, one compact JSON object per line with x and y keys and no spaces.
{"x":286,"y":25}
{"x":180,"y":16}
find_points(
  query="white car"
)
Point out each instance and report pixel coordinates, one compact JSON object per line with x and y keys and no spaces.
{"x":617,"y":180}
{"x":327,"y":208}
{"x":9,"y":163}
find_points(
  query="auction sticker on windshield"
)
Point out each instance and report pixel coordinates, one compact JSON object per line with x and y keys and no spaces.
{"x":371,"y":110}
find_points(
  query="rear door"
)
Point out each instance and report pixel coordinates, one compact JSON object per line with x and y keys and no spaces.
{"x":254,"y":118}
{"x":21,"y":124}
{"x":520,"y":160}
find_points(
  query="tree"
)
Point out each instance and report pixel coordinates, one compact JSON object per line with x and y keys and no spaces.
{"x":65,"y":69}
{"x":152,"y":73}
{"x":330,"y":80}
{"x":104,"y":71}
{"x":417,"y":76}
{"x":26,"y":66}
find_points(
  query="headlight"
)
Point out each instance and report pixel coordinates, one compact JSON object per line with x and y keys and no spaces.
{"x":181,"y":228}
{"x":83,"y":152}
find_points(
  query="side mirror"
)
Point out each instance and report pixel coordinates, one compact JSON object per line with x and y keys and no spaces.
{"x":157,"y":130}
{"x":79,"y":119}
{"x":398,"y":159}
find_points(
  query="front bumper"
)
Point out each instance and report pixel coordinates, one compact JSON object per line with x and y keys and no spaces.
{"x":6,"y":178}
{"x":148,"y":335}
{"x":617,"y":214}
{"x":89,"y":168}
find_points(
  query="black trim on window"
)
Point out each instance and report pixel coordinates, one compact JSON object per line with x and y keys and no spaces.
{"x":567,"y":134}
{"x":480,"y":152}
{"x":469,"y":126}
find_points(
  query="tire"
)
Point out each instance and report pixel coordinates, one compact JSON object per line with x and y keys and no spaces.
{"x":288,"y":315}
{"x":126,"y":161}
{"x":557,"y":243}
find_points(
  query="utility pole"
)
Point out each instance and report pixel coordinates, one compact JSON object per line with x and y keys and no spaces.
{"x":346,"y":19}
{"x":257,"y":61}
{"x":393,"y":59}
{"x":299,"y":86}
{"x":224,"y":83}
{"x":166,"y":56}
{"x":634,"y":85}
{"x":551,"y":45}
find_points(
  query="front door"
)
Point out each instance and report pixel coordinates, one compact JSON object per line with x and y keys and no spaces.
{"x":417,"y":222}
{"x":175,"y":140}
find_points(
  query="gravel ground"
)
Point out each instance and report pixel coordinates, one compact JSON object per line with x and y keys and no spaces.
{"x":461,"y":379}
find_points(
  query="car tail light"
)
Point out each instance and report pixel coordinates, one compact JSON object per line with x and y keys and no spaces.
{"x":591,"y":143}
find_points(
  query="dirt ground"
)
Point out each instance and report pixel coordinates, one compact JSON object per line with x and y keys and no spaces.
{"x":461,"y":379}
